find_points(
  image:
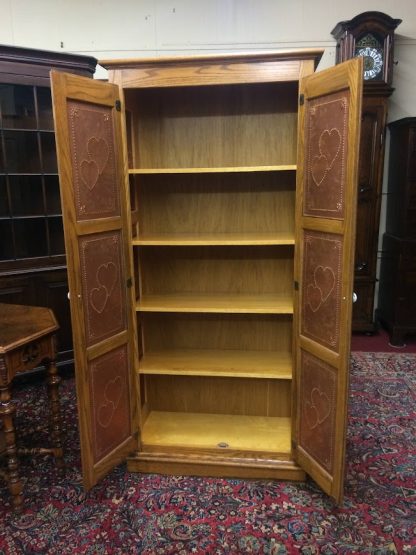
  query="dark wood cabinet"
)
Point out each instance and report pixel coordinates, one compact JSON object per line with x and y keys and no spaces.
{"x":397,"y":298}
{"x":401,"y":205}
{"x":370,"y":180}
{"x":32,"y":250}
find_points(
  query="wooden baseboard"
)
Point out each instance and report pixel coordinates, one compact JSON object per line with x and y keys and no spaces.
{"x":212,"y":466}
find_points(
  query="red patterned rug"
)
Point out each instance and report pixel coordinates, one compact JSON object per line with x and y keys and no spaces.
{"x":151,"y":514}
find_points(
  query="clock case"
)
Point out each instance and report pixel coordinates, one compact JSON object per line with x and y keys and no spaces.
{"x":382,"y":27}
{"x":376,"y":93}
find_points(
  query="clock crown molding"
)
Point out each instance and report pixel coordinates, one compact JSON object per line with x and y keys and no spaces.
{"x":371,"y":21}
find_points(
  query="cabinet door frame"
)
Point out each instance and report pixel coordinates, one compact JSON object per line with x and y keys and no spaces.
{"x":328,"y":149}
{"x":95,"y":204}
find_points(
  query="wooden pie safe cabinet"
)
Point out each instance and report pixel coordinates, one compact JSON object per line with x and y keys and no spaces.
{"x":209,"y":213}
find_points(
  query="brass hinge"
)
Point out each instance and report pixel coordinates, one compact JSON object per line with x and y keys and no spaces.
{"x":129,"y":282}
{"x":296,"y":285}
{"x":118,"y":105}
{"x":301,"y":99}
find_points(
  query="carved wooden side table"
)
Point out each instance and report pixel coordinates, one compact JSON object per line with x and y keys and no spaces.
{"x":27,"y":340}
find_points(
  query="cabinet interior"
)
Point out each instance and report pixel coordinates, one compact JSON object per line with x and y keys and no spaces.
{"x":213,"y":126}
{"x":212,"y":186}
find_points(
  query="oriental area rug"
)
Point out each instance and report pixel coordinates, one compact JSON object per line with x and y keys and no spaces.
{"x":161,"y":515}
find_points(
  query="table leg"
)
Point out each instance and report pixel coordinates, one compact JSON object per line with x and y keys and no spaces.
{"x":53,"y":380}
{"x":7,"y":412}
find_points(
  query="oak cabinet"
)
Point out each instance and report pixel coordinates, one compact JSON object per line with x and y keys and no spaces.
{"x":209,"y":211}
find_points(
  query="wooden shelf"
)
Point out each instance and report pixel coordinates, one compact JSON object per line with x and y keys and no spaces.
{"x":226,"y":169}
{"x":189,"y":239}
{"x":225,"y":303}
{"x":209,"y":431}
{"x":218,"y":363}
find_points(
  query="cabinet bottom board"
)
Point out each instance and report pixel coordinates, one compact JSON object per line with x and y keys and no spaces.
{"x":220,"y":433}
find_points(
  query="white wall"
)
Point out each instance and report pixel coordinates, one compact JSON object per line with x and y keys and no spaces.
{"x":136,"y":28}
{"x":139,"y":28}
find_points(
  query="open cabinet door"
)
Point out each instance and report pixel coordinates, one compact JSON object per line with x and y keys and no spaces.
{"x":328,"y":145}
{"x":93,"y":171}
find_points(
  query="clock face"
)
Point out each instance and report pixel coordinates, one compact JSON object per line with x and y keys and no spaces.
{"x":373,"y":61}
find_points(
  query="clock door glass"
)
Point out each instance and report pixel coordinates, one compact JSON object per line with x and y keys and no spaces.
{"x":372,"y":51}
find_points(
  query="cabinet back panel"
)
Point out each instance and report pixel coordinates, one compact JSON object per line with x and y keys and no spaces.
{"x":232,"y":125}
{"x":216,"y":331}
{"x":234,"y":270}
{"x":216,"y":203}
{"x":218,"y":395}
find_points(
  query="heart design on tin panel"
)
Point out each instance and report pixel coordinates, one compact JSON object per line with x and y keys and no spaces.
{"x":89,"y":173}
{"x":314,"y":297}
{"x":99,"y":152}
{"x":330,"y":145}
{"x":323,"y":284}
{"x":311,"y":415}
{"x":112,"y":396}
{"x":98,"y":298}
{"x":106,"y":278}
{"x":318,"y":408}
{"x":319,"y":169}
{"x":325,"y":280}
{"x":320,"y":400}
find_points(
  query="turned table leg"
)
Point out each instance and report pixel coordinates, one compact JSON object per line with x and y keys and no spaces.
{"x":7,"y":411}
{"x":53,"y":380}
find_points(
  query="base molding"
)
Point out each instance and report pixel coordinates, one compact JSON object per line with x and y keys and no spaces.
{"x":216,"y":467}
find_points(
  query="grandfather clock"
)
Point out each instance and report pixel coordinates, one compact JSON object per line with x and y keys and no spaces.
{"x":370,"y":35}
